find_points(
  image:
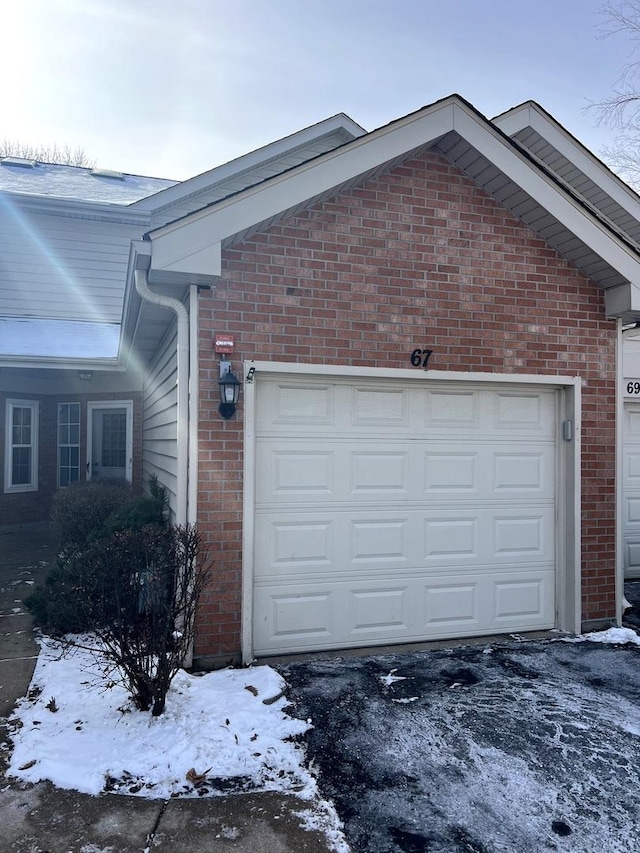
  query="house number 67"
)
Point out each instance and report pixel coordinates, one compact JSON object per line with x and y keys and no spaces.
{"x":420,"y":357}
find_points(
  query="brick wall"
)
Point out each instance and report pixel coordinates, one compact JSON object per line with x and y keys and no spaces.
{"x":419,"y":256}
{"x":24,"y":507}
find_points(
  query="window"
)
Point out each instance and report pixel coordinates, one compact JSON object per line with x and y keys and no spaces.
{"x":114,"y":439}
{"x":21,"y":446}
{"x":68,"y":443}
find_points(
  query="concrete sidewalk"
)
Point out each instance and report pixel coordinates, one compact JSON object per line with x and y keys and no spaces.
{"x":44,"y":819}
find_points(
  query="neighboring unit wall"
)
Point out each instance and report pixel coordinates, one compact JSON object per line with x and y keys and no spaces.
{"x":160,"y":418}
{"x":61,"y":267}
{"x":31,"y":506}
{"x":419,"y":257}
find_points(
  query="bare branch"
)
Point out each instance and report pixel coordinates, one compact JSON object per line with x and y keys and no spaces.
{"x":60,"y":155}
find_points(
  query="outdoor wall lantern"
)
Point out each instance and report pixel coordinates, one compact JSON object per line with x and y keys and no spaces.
{"x":229,"y":390}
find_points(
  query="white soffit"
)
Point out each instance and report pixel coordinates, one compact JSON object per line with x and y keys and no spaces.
{"x":531,"y":115}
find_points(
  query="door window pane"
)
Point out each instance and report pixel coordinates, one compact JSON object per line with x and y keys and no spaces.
{"x":114,"y":440}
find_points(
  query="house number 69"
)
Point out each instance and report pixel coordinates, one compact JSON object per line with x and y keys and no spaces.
{"x":420,"y":357}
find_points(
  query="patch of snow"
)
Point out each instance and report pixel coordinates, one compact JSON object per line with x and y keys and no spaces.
{"x":388,"y":680}
{"x":615,"y":636}
{"x":325,"y":820}
{"x":213,"y":728}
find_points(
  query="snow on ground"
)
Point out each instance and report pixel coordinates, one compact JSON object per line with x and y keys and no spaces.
{"x":536,"y":749}
{"x":614,"y":636}
{"x":222,"y":732}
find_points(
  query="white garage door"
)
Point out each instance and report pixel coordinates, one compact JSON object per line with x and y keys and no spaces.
{"x":631,"y":490}
{"x":401,"y":512}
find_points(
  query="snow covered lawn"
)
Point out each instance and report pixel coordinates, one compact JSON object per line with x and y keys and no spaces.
{"x":226,"y":730}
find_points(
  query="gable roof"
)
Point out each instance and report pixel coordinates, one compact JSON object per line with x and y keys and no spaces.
{"x":252,"y":168}
{"x":190,"y":248}
{"x":535,"y":130}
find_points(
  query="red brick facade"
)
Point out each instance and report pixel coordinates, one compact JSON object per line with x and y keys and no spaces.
{"x":25,"y":507}
{"x":420,"y":256}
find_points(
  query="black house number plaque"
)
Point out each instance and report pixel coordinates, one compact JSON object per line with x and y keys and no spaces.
{"x":420,"y":357}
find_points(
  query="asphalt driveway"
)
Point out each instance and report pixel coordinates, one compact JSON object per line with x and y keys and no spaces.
{"x":518,"y":748}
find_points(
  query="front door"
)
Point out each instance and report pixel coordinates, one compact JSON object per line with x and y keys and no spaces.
{"x":110,"y":441}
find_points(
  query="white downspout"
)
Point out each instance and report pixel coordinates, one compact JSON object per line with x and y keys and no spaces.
{"x":194,"y":403}
{"x":182,"y":317}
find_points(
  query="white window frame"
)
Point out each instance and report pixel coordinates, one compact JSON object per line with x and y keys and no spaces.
{"x":32,"y":485}
{"x":60,"y":444}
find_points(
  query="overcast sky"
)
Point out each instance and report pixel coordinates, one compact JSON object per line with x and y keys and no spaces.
{"x":171,"y":88}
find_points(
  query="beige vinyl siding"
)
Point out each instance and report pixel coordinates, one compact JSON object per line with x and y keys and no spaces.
{"x":248,"y":178}
{"x":160,"y":418}
{"x":63,"y":267}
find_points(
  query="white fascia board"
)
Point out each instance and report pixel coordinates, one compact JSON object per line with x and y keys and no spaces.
{"x":191,"y":254}
{"x":187,"y":237}
{"x":529,"y":115}
{"x":250,"y":161}
{"x":545,"y":191}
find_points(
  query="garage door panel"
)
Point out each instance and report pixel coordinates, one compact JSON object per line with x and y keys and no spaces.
{"x":302,"y":404}
{"x":520,"y":411}
{"x":289,"y":617}
{"x":373,"y":612}
{"x":302,"y":472}
{"x":632,"y":423}
{"x":452,"y":409}
{"x":338,"y":470}
{"x":631,"y":489}
{"x":389,"y":512}
{"x":376,"y":540}
{"x":305,"y":541}
{"x":376,"y":407}
{"x":632,"y":467}
{"x":301,"y":544}
{"x":451,"y":606}
{"x":379,"y":471}
{"x":632,"y":514}
{"x":632,"y":553}
{"x":519,"y":599}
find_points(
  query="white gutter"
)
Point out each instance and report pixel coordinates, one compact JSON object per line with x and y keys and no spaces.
{"x":182,"y":317}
